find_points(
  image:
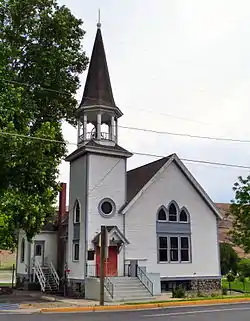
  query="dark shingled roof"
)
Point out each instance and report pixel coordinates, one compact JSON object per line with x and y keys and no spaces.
{"x":98,"y":90}
{"x":138,"y":177}
{"x":105,"y":149}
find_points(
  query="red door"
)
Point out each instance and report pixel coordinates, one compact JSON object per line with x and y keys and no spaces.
{"x":110,"y":267}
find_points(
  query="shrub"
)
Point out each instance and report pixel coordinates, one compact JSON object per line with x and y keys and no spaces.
{"x":178,"y":292}
{"x":244,"y":267}
{"x":242,"y":279}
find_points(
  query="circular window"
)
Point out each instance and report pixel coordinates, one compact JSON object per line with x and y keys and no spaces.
{"x":107,"y":207}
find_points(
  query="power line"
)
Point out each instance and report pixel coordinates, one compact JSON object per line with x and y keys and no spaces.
{"x":197,"y":161}
{"x":89,"y":98}
{"x":186,"y":135}
{"x":138,"y":153}
{"x":152,"y":130}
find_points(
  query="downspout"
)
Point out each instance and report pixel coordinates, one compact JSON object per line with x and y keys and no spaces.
{"x":17,"y":251}
{"x":123,"y":219}
{"x":30,"y":259}
{"x":86,"y":216}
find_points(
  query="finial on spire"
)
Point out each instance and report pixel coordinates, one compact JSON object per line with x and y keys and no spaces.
{"x":99,"y":19}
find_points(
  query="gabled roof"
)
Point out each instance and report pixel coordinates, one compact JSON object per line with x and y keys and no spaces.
{"x":98,"y":90}
{"x":141,"y":178}
{"x":138,"y":177}
{"x":112,"y":229}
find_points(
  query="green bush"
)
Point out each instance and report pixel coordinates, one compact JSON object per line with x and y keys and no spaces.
{"x":178,"y":292}
{"x":244,"y":267}
{"x":242,"y":279}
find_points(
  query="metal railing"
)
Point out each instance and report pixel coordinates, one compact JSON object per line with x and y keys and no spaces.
{"x":40,"y":275}
{"x":54,"y":274}
{"x":93,"y":270}
{"x":90,"y":135}
{"x":109,"y":286}
{"x":145,"y":280}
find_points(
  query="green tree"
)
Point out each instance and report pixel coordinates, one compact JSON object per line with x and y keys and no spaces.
{"x":40,"y":60}
{"x":240,"y":212}
{"x":228,"y":258}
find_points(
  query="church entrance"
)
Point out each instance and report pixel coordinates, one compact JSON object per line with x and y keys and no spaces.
{"x":110,"y":266}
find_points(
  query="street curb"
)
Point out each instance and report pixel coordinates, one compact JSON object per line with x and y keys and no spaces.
{"x":145,"y":306}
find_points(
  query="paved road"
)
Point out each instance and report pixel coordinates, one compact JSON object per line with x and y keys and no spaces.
{"x":236,"y":312}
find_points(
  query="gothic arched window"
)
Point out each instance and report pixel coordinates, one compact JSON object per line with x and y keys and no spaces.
{"x":77,"y":212}
{"x":183,"y":216}
{"x":22,"y":250}
{"x":162,"y":215}
{"x":172,"y":213}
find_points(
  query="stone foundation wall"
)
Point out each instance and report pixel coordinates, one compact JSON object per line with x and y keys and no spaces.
{"x":76,"y":288}
{"x":206,"y":286}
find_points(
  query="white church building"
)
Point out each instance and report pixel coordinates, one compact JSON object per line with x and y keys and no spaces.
{"x":162,"y":226}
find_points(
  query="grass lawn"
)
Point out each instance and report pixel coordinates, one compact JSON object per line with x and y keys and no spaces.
{"x":219,"y":297}
{"x":237,"y":285}
{"x":5,"y":284}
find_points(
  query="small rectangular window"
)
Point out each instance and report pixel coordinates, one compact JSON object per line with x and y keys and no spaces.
{"x":174,"y":249}
{"x":185,"y":249}
{"x":163,"y":249}
{"x":76,"y":251}
{"x":38,"y":250}
{"x":91,"y":255}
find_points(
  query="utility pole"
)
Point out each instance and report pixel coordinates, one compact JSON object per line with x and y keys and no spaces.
{"x":102,"y":263}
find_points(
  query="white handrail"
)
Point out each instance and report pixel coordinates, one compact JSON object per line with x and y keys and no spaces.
{"x":40,"y":275}
{"x":54,"y":273}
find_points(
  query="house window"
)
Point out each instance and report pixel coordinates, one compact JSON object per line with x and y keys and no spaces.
{"x":76,"y":251}
{"x":172,"y":213}
{"x":22,"y":250}
{"x":183,"y":216}
{"x":174,"y":249}
{"x":91,"y":255}
{"x":162,"y":216}
{"x":38,"y":250}
{"x":77,"y":212}
{"x":163,"y":249}
{"x":185,"y":249}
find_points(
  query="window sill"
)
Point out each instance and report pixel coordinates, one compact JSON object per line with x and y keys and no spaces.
{"x":75,"y":261}
{"x":179,"y":222}
{"x":175,"y":262}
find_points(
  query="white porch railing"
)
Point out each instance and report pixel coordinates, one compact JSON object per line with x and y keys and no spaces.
{"x":46,"y":275}
{"x":38,"y":272}
{"x":54,"y":274}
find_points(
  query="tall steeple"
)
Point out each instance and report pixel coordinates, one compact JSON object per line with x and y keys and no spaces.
{"x":97,"y":115}
{"x":98,"y":90}
{"x":98,"y":106}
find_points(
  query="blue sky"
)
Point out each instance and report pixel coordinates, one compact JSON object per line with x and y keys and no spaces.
{"x":189,"y":59}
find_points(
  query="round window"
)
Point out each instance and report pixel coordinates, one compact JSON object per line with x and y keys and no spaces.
{"x":106,"y":207}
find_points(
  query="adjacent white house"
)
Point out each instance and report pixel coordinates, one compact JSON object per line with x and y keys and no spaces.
{"x":162,"y":226}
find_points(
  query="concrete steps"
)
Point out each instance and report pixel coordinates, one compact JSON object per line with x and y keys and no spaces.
{"x":129,"y":289}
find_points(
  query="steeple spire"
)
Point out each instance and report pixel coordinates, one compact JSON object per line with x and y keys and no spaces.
{"x":98,"y":90}
{"x":99,"y":19}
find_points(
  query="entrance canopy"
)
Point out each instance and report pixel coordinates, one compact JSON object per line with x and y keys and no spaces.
{"x":115,"y":237}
